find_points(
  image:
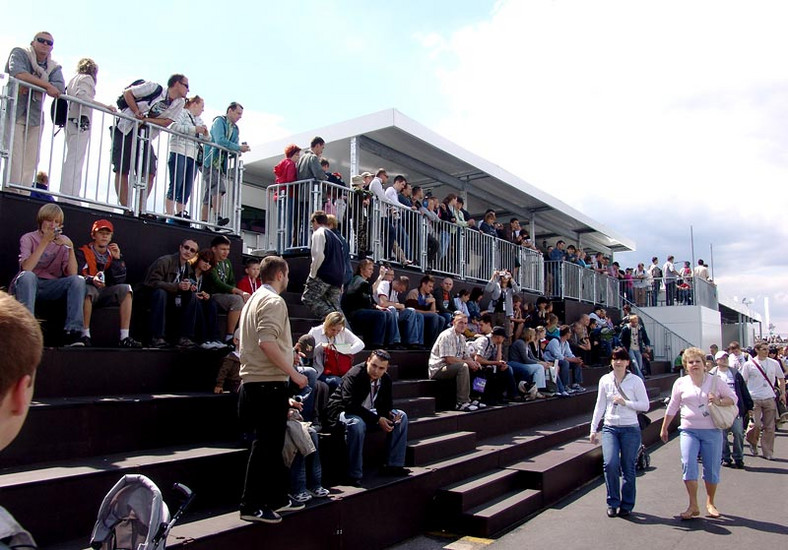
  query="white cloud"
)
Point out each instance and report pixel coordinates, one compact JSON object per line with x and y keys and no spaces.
{"x":667,"y":114}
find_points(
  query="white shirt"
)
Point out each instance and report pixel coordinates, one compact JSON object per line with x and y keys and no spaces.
{"x":619,"y":415}
{"x":757,"y":385}
{"x":346,"y":342}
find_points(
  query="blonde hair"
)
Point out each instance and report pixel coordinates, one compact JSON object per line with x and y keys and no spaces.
{"x":333,"y":319}
{"x":49,"y":212}
{"x":694,"y":352}
{"x":87,"y":66}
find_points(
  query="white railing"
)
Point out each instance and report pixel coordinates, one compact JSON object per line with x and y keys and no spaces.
{"x":78,"y":161}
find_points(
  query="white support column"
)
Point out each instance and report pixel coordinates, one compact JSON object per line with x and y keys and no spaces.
{"x":353,"y":156}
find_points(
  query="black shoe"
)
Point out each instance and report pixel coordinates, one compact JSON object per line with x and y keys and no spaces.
{"x":159,"y":343}
{"x":129,"y":343}
{"x":352,"y":482}
{"x":611,"y":512}
{"x":739,"y":464}
{"x":727,"y":462}
{"x":86,"y":341}
{"x":220,"y":221}
{"x":394,"y":471}
{"x":416,"y":347}
{"x":397,"y":346}
{"x":73,"y":339}
{"x":262,"y":515}
{"x":186,"y":343}
{"x":624,"y":513}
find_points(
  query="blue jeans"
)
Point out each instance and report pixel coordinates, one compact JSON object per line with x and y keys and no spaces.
{"x":564,"y":368}
{"x":306,"y":471}
{"x":709,"y":443}
{"x":411,"y":326}
{"x":331,"y":380}
{"x":356,"y":431}
{"x":636,"y":361}
{"x":534,"y":373}
{"x":28,"y":287}
{"x":737,"y":429}
{"x":181,"y":177}
{"x":433,"y":326}
{"x":308,"y":392}
{"x":377,"y":327}
{"x":620,"y":446}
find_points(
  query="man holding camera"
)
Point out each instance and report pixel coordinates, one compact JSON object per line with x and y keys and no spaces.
{"x":104,"y":270}
{"x":170,"y":280}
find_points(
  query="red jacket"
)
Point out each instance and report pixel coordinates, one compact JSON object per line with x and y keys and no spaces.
{"x":286,"y":171}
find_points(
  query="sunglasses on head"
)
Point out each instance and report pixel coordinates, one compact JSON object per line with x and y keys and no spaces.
{"x":46,"y":41}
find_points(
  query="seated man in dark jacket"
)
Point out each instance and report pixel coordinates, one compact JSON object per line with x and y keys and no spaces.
{"x":363,"y":401}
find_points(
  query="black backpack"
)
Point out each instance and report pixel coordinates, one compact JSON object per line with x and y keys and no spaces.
{"x":121,"y":102}
{"x":58,"y":112}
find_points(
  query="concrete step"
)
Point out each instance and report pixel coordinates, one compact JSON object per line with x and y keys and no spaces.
{"x":416,"y":406}
{"x":424,"y":451}
{"x":473,"y":492}
{"x":502,"y":513}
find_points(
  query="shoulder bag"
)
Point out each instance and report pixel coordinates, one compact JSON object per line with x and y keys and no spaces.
{"x":335,"y":363}
{"x":643,"y":420}
{"x":722,"y":415}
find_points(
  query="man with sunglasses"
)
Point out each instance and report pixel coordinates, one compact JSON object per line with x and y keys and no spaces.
{"x":33,"y":65}
{"x":152,"y":110}
{"x":171,"y":282}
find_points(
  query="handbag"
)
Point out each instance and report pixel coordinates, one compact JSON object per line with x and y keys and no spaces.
{"x":781,"y":410}
{"x":336,"y":363}
{"x":723,"y":416}
{"x":643,"y":420}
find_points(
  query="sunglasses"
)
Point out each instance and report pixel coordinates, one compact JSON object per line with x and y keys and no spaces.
{"x":185,"y":85}
{"x":45,"y":41}
{"x":189,"y":248}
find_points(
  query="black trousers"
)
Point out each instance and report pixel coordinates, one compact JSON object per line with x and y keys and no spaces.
{"x":263,"y":406}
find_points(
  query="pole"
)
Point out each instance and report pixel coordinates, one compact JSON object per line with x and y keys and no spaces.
{"x":711,"y":260}
{"x":692,"y":245}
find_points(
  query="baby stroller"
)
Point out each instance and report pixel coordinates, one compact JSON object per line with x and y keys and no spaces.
{"x":133,"y":516}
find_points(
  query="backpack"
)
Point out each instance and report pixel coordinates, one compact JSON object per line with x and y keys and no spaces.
{"x":58,"y":112}
{"x":121,"y":101}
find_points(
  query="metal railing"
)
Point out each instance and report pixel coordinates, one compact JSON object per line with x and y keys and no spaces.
{"x":79,"y":164}
{"x":665,"y":344}
{"x":679,"y":292}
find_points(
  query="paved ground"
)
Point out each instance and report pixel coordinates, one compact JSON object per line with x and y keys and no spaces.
{"x":752,"y":502}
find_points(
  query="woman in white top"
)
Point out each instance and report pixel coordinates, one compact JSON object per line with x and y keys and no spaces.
{"x":79,"y":118}
{"x":333,"y":333}
{"x":620,"y":397}
{"x":183,"y":155}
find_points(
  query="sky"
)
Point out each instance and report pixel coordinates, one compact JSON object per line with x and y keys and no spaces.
{"x":650,"y":117}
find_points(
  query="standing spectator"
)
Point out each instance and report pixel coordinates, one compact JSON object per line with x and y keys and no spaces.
{"x":309,"y":168}
{"x":691,"y":395}
{"x":22,"y":350}
{"x":267,"y":361}
{"x":744,"y":402}
{"x":33,"y":65}
{"x":685,"y":294}
{"x":655,"y":276}
{"x":671,"y":274}
{"x":763,"y":375}
{"x":619,"y":399}
{"x":224,"y":132}
{"x":170,"y":279}
{"x":221,"y":286}
{"x":287,"y":195}
{"x":449,"y":358}
{"x":323,"y":287}
{"x":377,"y":324}
{"x":635,"y":340}
{"x":736,"y":357}
{"x":348,"y":269}
{"x":701,"y":271}
{"x":640,"y":277}
{"x":401,"y":243}
{"x":48,"y":270}
{"x":104,"y":270}
{"x":501,"y":288}
{"x":360,"y":212}
{"x":184,"y":154}
{"x":151,"y":109}
{"x":78,"y":121}
{"x":363,"y":403}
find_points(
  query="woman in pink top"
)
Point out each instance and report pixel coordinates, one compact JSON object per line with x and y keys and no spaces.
{"x":692,"y":394}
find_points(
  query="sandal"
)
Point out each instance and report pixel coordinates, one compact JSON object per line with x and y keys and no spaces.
{"x":712,"y":511}
{"x":689,"y":514}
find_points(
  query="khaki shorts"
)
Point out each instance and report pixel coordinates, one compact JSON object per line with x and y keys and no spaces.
{"x":228,"y":302}
{"x":111,"y":295}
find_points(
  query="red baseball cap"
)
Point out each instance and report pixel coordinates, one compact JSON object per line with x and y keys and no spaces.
{"x":102,"y":224}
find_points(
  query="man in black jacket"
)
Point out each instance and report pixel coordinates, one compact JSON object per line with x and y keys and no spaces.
{"x":363,"y":401}
{"x":635,"y":341}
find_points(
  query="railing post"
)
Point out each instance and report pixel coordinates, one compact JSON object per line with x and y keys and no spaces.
{"x":461,"y":246}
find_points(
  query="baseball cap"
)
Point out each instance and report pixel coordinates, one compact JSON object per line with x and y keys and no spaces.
{"x":101,"y":224}
{"x":499,"y":331}
{"x":721,"y":354}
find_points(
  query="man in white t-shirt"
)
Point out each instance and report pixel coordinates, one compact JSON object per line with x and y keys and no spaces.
{"x":385,"y":292}
{"x":701,"y":271}
{"x":762,"y":375}
{"x":153,"y":107}
{"x":671,"y":275}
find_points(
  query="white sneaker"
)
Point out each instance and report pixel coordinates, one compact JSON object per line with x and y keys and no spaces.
{"x":478,"y":404}
{"x":466,"y":407}
{"x":319,"y":492}
{"x":522,"y":387}
{"x":206,"y":345}
{"x":301,"y":497}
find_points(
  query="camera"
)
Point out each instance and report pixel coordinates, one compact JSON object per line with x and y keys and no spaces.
{"x":99,"y":277}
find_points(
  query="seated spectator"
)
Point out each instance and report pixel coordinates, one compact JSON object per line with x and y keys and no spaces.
{"x":169,"y":280}
{"x":558,"y":350}
{"x":48,"y":271}
{"x":486,"y":350}
{"x":42,"y":183}
{"x":423,"y":302}
{"x":104,"y":270}
{"x":474,"y":309}
{"x":378,"y":325}
{"x":595,"y":339}
{"x":22,"y":352}
{"x":221,"y":285}
{"x":579,"y":342}
{"x":461,"y":301}
{"x":449,"y":358}
{"x":314,"y":396}
{"x":518,"y":319}
{"x":229,"y":377}
{"x":251,"y":281}
{"x":333,"y":338}
{"x":364,"y":402}
{"x":443,"y":301}
{"x":206,"y":320}
{"x":539,"y":317}
{"x":552,"y":327}
{"x":526,"y":366}
{"x":305,"y":468}
{"x":387,"y":289}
